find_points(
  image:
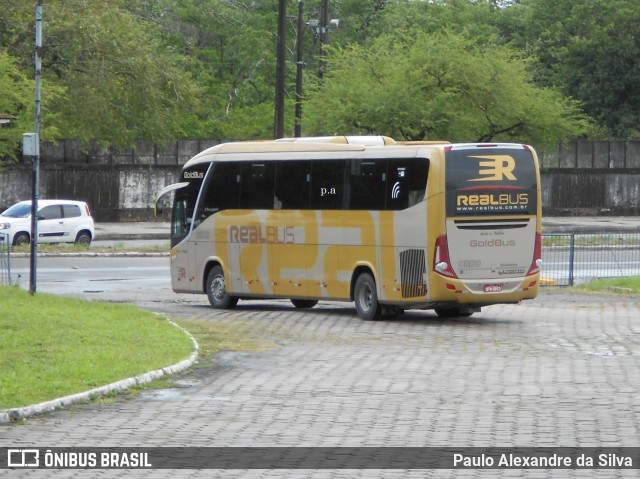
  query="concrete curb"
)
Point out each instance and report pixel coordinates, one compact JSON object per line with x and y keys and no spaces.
{"x":10,"y":415}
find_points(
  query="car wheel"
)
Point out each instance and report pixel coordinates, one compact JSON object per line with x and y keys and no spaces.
{"x":366,"y":297}
{"x":21,"y":239}
{"x":217,"y":290}
{"x":304,"y":303}
{"x":83,"y":238}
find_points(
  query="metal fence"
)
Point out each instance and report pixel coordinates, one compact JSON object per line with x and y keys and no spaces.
{"x":570,"y":259}
{"x":5,"y":260}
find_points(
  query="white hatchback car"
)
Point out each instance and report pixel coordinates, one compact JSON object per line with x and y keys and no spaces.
{"x":59,"y":221}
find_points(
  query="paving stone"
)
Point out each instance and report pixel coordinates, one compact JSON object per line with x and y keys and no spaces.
{"x":557,"y":371}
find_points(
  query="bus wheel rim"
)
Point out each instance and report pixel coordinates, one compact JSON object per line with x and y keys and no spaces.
{"x":365,"y":298}
{"x":218,"y":287}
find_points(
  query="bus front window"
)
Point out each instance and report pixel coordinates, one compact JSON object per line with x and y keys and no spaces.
{"x":184,"y":202}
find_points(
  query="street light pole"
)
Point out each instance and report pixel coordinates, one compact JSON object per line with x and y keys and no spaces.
{"x":36,"y":158}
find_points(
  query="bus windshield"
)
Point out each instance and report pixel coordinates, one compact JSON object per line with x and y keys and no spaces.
{"x":184,"y":203}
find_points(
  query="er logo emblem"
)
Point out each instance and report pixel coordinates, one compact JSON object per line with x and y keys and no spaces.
{"x":496,"y":168}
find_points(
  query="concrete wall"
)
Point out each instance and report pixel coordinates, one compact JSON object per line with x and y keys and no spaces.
{"x":576,"y":154}
{"x":114,"y":193}
{"x":583,"y":178}
{"x":127,"y":192}
{"x":143,"y":153}
{"x":591,"y":192}
{"x":605,"y":154}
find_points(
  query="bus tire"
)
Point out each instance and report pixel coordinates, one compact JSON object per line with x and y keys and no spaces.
{"x":365,"y":297}
{"x":217,"y":291}
{"x":303,"y":303}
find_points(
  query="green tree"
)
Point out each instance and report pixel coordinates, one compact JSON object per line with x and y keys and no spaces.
{"x":122,"y":85}
{"x":474,"y":19}
{"x":441,"y":86}
{"x":589,"y":50}
{"x":16,"y":101}
{"x":231,"y":47}
{"x":114,"y":80}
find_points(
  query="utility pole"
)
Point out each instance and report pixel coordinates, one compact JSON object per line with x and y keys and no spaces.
{"x":324,"y":21}
{"x":36,"y":156}
{"x":278,"y":123}
{"x":299,"y":65}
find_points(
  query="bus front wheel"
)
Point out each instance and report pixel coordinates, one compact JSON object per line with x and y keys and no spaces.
{"x":366,"y":297}
{"x":217,"y":290}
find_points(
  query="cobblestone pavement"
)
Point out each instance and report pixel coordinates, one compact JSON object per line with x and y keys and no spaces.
{"x":560,"y":370}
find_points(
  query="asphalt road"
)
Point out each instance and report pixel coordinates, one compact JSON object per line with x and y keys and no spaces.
{"x":93,"y":277}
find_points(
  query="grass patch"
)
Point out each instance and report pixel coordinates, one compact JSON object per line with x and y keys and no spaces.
{"x":627,"y":286}
{"x":52,"y":346}
{"x":214,"y":338}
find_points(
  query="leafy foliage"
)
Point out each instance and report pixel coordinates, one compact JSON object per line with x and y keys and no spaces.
{"x":16,"y":104}
{"x":123,"y":86}
{"x":161,"y":70}
{"x":588,"y":50}
{"x":440,"y":86}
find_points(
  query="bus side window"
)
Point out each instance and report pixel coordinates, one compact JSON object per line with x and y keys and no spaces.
{"x":257,"y":185}
{"x":407,"y":182}
{"x":327,"y":184}
{"x":222,"y":190}
{"x":367,"y":181}
{"x":293,"y":179}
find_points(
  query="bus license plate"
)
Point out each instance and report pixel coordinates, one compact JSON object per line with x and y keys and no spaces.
{"x":492,"y":288}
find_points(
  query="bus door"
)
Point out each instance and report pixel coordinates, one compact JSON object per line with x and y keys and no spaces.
{"x":179,"y":231}
{"x":183,"y":221}
{"x":220,"y":229}
{"x":292,"y":232}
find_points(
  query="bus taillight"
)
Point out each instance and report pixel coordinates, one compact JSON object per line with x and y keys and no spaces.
{"x":536,"y":264}
{"x":441,"y":262}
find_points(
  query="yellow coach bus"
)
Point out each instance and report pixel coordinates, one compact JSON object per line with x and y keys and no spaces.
{"x":388,"y":225}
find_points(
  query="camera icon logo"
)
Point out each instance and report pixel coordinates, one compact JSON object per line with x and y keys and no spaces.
{"x":23,"y":458}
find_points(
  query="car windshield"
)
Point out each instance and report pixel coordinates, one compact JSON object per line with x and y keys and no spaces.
{"x":21,"y":210}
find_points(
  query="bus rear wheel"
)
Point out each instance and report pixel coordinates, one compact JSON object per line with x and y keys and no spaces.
{"x":304,"y":303}
{"x":453,"y":313}
{"x":365,"y":297}
{"x":217,"y":290}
